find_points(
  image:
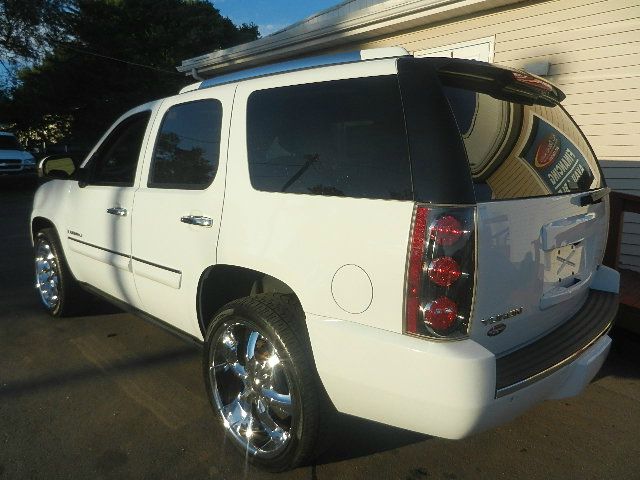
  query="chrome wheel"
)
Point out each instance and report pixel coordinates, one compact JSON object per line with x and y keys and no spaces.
{"x":252,"y":389}
{"x":47,"y":274}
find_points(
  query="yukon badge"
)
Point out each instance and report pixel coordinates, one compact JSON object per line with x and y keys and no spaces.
{"x":503,"y":316}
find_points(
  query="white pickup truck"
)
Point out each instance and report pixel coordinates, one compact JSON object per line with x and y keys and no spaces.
{"x":15,"y":162}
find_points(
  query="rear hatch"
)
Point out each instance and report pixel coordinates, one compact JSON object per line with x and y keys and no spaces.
{"x":542,"y":211}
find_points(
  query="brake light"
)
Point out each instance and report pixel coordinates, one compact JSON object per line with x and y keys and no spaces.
{"x":444,"y":271}
{"x":441,"y":314}
{"x":532,"y":81}
{"x":440,"y":272}
{"x":446,"y":231}
{"x":414,"y":273}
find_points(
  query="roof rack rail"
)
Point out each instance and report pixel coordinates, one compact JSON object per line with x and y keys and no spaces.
{"x":305,"y":63}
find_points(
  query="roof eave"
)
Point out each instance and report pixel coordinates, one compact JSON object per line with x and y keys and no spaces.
{"x":306,"y":37}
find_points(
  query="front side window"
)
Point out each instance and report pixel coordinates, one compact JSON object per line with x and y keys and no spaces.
{"x":115,"y":161}
{"x":188,"y":146}
{"x":340,"y":138}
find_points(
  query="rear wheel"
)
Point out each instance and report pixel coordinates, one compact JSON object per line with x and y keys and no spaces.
{"x":59,"y":292}
{"x":261,"y":380}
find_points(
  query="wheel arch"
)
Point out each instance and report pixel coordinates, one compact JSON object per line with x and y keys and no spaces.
{"x":220,"y":284}
{"x":40,"y":223}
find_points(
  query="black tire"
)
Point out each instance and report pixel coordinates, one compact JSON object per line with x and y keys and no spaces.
{"x":71,"y":299}
{"x":278,"y":321}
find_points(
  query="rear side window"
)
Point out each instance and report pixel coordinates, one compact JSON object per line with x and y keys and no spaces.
{"x":340,"y":138}
{"x":518,"y":150}
{"x":188,"y":146}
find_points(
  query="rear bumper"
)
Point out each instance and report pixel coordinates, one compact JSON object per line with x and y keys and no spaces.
{"x":446,"y":389}
{"x":559,"y":347}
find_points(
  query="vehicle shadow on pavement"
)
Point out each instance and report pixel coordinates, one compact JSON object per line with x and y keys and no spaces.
{"x":353,"y":437}
{"x":41,"y":384}
{"x":624,"y":358}
{"x":98,"y":306}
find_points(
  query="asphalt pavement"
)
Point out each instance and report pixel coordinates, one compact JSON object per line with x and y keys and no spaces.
{"x":110,"y":396}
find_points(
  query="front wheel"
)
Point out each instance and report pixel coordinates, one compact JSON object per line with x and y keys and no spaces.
{"x":261,"y":380}
{"x":59,"y":292}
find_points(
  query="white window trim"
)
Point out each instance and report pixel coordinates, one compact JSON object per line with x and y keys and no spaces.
{"x":453,"y":46}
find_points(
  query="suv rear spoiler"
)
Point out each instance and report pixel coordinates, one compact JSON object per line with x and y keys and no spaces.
{"x":500,"y":82}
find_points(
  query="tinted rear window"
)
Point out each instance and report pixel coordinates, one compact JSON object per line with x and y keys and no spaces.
{"x":518,"y":150}
{"x":339,"y":138}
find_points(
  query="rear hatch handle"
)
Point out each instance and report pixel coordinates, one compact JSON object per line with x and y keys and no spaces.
{"x":560,"y":294}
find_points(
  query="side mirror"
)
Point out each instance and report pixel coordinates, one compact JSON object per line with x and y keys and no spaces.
{"x":82,"y":175}
{"x":57,"y":166}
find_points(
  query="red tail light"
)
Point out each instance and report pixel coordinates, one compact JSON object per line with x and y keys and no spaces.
{"x":414,"y":273}
{"x":446,"y":231}
{"x":441,"y":314}
{"x":440,"y":272}
{"x":444,"y":271}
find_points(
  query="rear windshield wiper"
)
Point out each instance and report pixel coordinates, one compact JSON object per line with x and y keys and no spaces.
{"x":594,"y":197}
{"x":310,"y":159}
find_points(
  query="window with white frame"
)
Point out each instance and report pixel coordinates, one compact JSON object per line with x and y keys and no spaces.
{"x":480,"y":49}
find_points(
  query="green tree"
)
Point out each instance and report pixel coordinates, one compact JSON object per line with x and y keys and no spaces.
{"x":117,"y":54}
{"x":27,"y":28}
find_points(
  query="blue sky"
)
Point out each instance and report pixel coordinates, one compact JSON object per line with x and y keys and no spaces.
{"x":270,"y":15}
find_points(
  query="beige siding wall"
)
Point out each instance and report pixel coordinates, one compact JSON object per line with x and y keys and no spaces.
{"x":593,"y":50}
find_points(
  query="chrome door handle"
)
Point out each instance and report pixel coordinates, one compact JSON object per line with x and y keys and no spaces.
{"x":198,"y":220}
{"x":119,"y":211}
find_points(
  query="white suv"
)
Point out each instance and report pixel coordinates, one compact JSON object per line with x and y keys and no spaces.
{"x":413,"y":241}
